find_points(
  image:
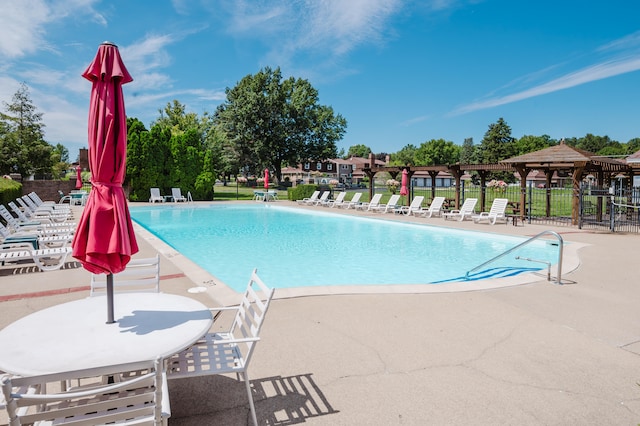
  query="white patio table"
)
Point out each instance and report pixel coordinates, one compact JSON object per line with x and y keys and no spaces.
{"x":75,"y":335}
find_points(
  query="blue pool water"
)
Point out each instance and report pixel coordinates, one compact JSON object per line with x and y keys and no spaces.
{"x":299,"y":248}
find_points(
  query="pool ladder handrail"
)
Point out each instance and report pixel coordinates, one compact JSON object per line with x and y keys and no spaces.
{"x":535,"y":237}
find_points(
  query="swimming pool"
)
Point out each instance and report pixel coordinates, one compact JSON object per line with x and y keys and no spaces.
{"x":300,"y":248}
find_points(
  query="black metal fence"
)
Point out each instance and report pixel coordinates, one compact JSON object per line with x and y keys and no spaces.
{"x":554,"y":206}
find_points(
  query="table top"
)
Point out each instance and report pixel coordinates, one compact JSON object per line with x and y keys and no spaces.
{"x":75,"y":335}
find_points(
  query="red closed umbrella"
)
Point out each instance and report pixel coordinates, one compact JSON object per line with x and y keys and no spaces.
{"x":266,"y":178}
{"x":78,"y":177}
{"x":403,"y":185}
{"x":105,"y":241}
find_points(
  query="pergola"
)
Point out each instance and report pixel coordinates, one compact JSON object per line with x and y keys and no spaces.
{"x":559,"y":159}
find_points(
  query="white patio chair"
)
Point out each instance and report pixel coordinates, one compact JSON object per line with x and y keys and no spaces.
{"x":416,"y":205}
{"x":41,"y":400}
{"x":371,"y":205}
{"x":435,"y":209}
{"x":337,"y":202}
{"x":155,"y":195}
{"x":495,"y":213}
{"x":140,"y":275}
{"x":231,"y":351}
{"x":47,"y":259}
{"x":176,"y":194}
{"x":465,"y":211}
{"x":354,"y":202}
{"x":322,"y":199}
{"x":310,"y":199}
{"x":390,"y":206}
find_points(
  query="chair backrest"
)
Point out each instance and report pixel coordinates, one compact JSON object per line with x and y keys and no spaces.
{"x":176,"y":193}
{"x":314,"y":196}
{"x":6,"y":215}
{"x":251,"y":312}
{"x":375,"y":201}
{"x":324,"y":196}
{"x":340,"y":197}
{"x":155,"y":193}
{"x":140,"y":275}
{"x":436,"y":204}
{"x":498,"y":207}
{"x":138,"y":399}
{"x":468,"y":205}
{"x":416,"y":202}
{"x":393,"y":200}
{"x":24,"y":205}
{"x":356,"y":197}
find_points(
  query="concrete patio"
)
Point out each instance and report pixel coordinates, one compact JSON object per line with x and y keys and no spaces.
{"x":530,"y":354}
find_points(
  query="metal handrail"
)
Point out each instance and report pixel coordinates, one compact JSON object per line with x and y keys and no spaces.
{"x":560,"y":250}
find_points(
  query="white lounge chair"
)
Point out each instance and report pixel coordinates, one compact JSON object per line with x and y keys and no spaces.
{"x":354,"y":202}
{"x":23,"y":221}
{"x":375,"y":202}
{"x":495,"y":213}
{"x":310,"y":199}
{"x":416,"y":204}
{"x":176,"y":195}
{"x":435,"y":209}
{"x":339,"y":200}
{"x":228,"y":352}
{"x":391,"y":205}
{"x":324,"y":197}
{"x":34,"y":212}
{"x":140,"y":275}
{"x":139,"y":396}
{"x":155,"y":195}
{"x":47,"y":259}
{"x":465,"y":211}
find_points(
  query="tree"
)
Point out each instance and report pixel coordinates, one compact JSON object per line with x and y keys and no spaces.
{"x":359,"y":150}
{"x":497,"y":144}
{"x":633,"y":146}
{"x":23,"y":135}
{"x":528,"y":143}
{"x":468,"y":152}
{"x":437,"y":152}
{"x":269,"y":122}
{"x":404,"y":157}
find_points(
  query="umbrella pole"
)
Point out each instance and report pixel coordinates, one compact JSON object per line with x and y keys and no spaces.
{"x":110,"y":319}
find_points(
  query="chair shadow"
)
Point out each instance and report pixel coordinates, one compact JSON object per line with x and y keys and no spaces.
{"x":223,"y":400}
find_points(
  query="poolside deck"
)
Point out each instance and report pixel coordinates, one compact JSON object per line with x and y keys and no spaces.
{"x":536,"y":353}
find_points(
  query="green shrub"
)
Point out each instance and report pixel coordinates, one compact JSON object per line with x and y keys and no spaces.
{"x":9,"y":190}
{"x":300,"y":192}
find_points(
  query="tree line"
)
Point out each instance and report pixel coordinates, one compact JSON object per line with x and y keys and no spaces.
{"x":266,"y":121}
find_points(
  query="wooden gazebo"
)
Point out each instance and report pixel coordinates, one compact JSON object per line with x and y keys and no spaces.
{"x":565,"y":159}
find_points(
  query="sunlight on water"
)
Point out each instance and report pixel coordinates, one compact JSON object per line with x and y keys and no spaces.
{"x":298,"y":248}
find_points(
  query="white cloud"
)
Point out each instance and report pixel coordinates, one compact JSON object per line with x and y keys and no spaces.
{"x":21,"y":27}
{"x":628,"y":61}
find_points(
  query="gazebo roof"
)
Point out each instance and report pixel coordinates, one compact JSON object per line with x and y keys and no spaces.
{"x":563,"y":155}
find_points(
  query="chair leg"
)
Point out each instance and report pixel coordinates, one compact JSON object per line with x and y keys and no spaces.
{"x":245,"y":376}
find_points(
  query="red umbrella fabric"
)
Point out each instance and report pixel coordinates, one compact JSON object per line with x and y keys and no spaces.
{"x":266,"y":178}
{"x":105,"y":241}
{"x":78,"y":177}
{"x":403,"y":184}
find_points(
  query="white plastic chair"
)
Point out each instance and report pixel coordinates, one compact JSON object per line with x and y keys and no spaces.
{"x":155,"y":195}
{"x":140,"y":275}
{"x":371,"y":205}
{"x":47,"y":259}
{"x":435,"y":209}
{"x":177,"y":196}
{"x":354,"y":202}
{"x":138,"y":399}
{"x":231,"y":351}
{"x":495,"y":213}
{"x":310,"y":199}
{"x":465,"y":211}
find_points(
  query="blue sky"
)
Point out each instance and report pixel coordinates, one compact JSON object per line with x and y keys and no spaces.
{"x":400,"y":72}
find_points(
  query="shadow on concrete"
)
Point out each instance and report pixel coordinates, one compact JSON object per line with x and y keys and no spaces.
{"x":223,"y":400}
